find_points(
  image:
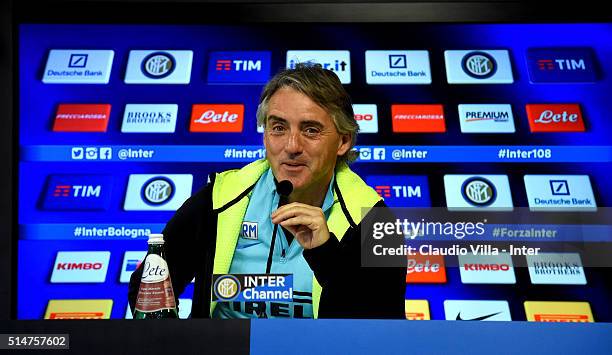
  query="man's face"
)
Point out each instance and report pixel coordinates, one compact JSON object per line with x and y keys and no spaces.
{"x":301,"y":140}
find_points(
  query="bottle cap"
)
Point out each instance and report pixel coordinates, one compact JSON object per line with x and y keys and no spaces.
{"x":156,"y":239}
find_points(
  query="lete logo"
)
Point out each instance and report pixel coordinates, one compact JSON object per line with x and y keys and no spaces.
{"x":217,"y":118}
{"x":555,"y":118}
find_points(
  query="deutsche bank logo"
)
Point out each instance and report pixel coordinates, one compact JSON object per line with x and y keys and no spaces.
{"x":239,"y":67}
{"x":79,"y":66}
{"x":78,"y":61}
{"x":397,"y":67}
{"x":401,"y":190}
{"x":478,"y":66}
{"x":561,"y":65}
{"x":77,"y":192}
{"x":559,"y":187}
{"x":148,"y":192}
{"x":397,"y":61}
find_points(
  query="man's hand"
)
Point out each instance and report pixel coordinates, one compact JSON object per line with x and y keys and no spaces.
{"x":306,"y":223}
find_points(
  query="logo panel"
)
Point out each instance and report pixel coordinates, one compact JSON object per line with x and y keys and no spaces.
{"x":480,"y":310}
{"x":78,"y":66}
{"x":77,"y":192}
{"x":564,"y":312}
{"x":417,"y":309}
{"x":425,"y":269}
{"x":80,"y":267}
{"x":159,"y":67}
{"x":81,"y":118}
{"x":486,"y":269}
{"x":556,"y":269}
{"x":486,"y":118}
{"x":560,"y":193}
{"x":239,"y":67}
{"x":366,"y":116}
{"x":217,"y":118}
{"x":401,"y":190}
{"x":417,"y":118}
{"x":131,"y":261}
{"x":145,"y":118}
{"x":486,"y":192}
{"x":397,"y":67}
{"x":561,"y":65}
{"x":79,"y":309}
{"x":337,"y":61}
{"x":149,"y":192}
{"x":555,"y":118}
{"x":478,"y":67}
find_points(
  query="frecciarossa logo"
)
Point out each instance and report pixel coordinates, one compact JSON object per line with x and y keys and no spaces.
{"x":555,"y":118}
{"x":217,"y":118}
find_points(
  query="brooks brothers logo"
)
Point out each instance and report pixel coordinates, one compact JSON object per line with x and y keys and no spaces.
{"x":479,"y":65}
{"x":158,"y":190}
{"x":479,"y":191}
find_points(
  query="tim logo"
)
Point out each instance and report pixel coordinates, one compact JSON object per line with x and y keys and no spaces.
{"x":554,"y":65}
{"x":77,"y":192}
{"x":401,"y":191}
{"x":249,"y":230}
{"x":239,"y":67}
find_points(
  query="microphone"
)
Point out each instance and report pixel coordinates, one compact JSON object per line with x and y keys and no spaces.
{"x":284,"y":189}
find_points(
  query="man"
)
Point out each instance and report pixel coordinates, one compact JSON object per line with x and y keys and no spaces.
{"x":309,"y":134}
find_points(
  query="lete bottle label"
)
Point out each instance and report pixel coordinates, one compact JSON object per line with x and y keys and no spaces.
{"x":155,"y":291}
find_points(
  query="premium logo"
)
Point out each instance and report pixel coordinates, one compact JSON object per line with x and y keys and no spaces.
{"x":79,"y":309}
{"x":397,"y":67}
{"x":417,"y":309}
{"x":485,"y":192}
{"x":217,"y":118}
{"x":78,"y":66}
{"x":239,"y":67}
{"x":80,"y":267}
{"x":149,"y":118}
{"x":565,"y":312}
{"x":337,"y":61}
{"x":486,"y":269}
{"x":555,"y":118}
{"x":556,"y":269}
{"x":366,"y":117}
{"x":559,"y":193}
{"x":561,"y":65}
{"x":131,"y":261}
{"x":159,"y":67}
{"x":147,"y":192}
{"x":417,"y":118}
{"x":486,"y":119}
{"x":425,"y":269}
{"x":480,"y":310}
{"x":77,"y":192}
{"x":478,"y":67}
{"x":81,"y":118}
{"x":401,"y":190}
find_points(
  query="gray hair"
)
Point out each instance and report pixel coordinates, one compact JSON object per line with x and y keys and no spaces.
{"x":324,"y":88}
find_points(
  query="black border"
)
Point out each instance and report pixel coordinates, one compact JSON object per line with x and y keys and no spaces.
{"x":15,"y":12}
